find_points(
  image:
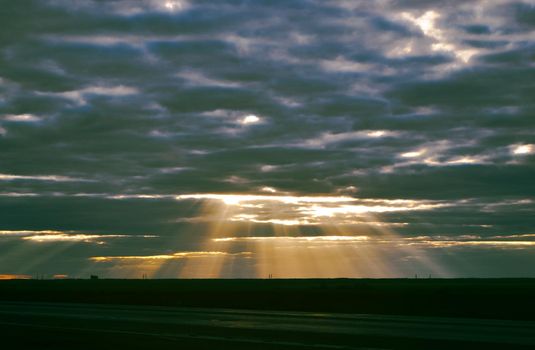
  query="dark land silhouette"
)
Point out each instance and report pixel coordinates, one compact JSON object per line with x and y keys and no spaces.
{"x":475,"y":298}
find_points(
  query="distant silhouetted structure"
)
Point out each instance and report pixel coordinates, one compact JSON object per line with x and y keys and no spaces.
{"x":94,"y":277}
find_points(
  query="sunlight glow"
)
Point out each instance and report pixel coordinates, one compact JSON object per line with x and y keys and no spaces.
{"x":523,"y":149}
{"x":21,"y":118}
{"x":413,"y":154}
{"x":175,"y":5}
{"x":179,"y":255}
{"x":497,"y":244}
{"x":302,"y":237}
{"x":44,"y":236}
{"x":268,"y":189}
{"x":293,"y":238}
{"x":422,"y":241}
{"x":15,"y":233}
{"x":53,"y":178}
{"x":63,"y":237}
{"x":308,"y":210}
{"x":377,"y":133}
{"x":15,"y":277}
{"x":239,"y":198}
{"x":250,"y":119}
{"x":463,"y":160}
{"x":442,"y":41}
{"x":426,"y":22}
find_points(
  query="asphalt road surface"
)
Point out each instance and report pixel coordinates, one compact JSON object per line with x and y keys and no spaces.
{"x":28,"y":325}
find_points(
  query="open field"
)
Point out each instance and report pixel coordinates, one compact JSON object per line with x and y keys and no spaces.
{"x":476,"y":298}
{"x":81,"y":326}
{"x":268,"y":314}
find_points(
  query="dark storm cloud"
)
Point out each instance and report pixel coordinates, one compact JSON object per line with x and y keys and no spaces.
{"x":415,"y":100}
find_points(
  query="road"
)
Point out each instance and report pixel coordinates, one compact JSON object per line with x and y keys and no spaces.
{"x":31,"y":325}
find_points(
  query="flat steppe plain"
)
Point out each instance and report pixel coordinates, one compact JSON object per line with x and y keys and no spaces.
{"x":269,"y":314}
{"x":476,"y":298}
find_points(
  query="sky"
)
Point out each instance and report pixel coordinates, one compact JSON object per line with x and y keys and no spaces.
{"x":239,"y":139}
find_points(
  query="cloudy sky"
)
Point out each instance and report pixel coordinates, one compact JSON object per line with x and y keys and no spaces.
{"x":306,"y":138}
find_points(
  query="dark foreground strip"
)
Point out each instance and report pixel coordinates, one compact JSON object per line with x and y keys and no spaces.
{"x":62,"y":326}
{"x":177,"y":336}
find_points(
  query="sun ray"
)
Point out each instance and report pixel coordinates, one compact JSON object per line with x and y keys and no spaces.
{"x":294,"y":237}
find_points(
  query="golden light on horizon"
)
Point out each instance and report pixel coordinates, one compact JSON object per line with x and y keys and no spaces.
{"x":178,"y":255}
{"x":36,"y":247}
{"x":15,"y":277}
{"x":350,"y":239}
{"x":339,"y":249}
